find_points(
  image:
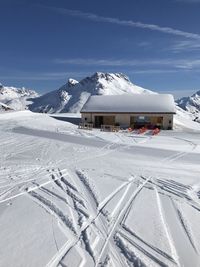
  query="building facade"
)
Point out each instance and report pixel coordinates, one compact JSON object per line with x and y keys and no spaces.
{"x":133,"y":111}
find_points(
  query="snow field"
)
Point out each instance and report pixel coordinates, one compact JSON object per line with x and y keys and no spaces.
{"x":77,"y":198}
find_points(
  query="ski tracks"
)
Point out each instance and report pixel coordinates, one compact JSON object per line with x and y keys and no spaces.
{"x":182,"y":245}
{"x":166,"y":227}
{"x":180,"y":154}
{"x":96,"y":221}
{"x":121,"y":215}
{"x":110,"y":238}
{"x":87,"y":214}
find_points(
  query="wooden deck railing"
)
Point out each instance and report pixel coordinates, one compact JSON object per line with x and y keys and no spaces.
{"x":85,"y":126}
{"x":110,"y":128}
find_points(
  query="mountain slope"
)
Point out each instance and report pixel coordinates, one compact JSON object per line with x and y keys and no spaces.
{"x":4,"y":107}
{"x":16,"y":98}
{"x":72,"y":96}
{"x":191,"y":104}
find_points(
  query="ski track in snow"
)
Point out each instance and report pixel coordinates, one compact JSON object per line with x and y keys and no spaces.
{"x":166,"y":227}
{"x":52,"y":208}
{"x":184,"y":225}
{"x":122,"y":213}
{"x":84,"y":229}
{"x":149,"y":247}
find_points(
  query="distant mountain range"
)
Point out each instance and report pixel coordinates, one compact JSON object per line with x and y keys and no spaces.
{"x":16,"y":98}
{"x":191,"y":104}
{"x":72,"y":96}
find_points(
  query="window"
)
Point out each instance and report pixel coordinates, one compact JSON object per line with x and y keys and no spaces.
{"x":142,"y":119}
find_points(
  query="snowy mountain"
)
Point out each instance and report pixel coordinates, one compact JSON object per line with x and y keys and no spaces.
{"x":72,"y":96}
{"x":4,"y":107}
{"x":16,"y":98}
{"x":191,"y":104}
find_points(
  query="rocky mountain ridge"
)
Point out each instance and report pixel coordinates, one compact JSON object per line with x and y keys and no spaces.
{"x":72,"y":96}
{"x":191,"y":104}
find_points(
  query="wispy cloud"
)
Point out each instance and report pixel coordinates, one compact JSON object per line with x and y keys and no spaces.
{"x":164,"y":63}
{"x":129,"y":23}
{"x":43,"y":76}
{"x":112,"y":62}
{"x":97,"y":62}
{"x":153,"y":71}
{"x":188,"y":64}
{"x":185,"y":45}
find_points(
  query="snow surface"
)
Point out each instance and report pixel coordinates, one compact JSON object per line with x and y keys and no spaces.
{"x":71,"y":197}
{"x":131,"y":103}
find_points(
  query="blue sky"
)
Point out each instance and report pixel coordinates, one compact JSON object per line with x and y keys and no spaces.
{"x":155,"y":42}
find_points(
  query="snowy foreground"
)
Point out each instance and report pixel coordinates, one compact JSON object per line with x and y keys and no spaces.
{"x":71,"y":197}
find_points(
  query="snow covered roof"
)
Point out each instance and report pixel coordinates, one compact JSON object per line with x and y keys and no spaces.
{"x":134,"y":103}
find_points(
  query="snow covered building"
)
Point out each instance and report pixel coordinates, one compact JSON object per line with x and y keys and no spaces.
{"x":130,"y":110}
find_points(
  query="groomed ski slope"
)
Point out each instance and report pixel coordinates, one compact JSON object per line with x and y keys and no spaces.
{"x":71,"y":197}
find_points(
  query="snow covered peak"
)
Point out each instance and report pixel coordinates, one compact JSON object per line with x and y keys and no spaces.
{"x":121,"y":75}
{"x":109,"y":77}
{"x":196,"y":95}
{"x":111,"y":84}
{"x":191,"y":104}
{"x":71,"y":82}
{"x":13,"y":92}
{"x":16,"y":98}
{"x":73,"y":95}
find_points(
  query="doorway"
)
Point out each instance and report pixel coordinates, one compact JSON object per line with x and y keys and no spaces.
{"x":98,"y":121}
